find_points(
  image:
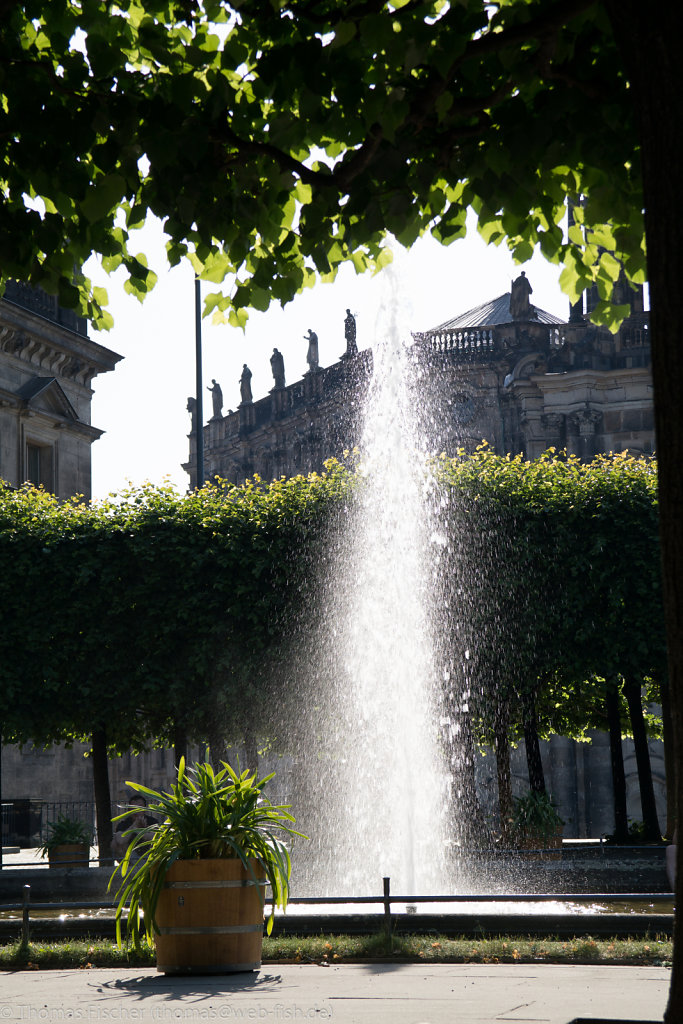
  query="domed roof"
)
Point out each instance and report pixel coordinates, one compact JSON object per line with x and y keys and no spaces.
{"x":496,"y":311}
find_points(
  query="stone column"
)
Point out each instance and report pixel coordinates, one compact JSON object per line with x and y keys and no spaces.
{"x":584,"y":425}
{"x":313,"y":384}
{"x":246,"y":416}
{"x":553,"y":425}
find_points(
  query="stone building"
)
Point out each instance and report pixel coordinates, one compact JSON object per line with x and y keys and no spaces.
{"x":523,"y":383}
{"x":506,"y":372}
{"x":47,"y":364}
{"x":528,"y":385}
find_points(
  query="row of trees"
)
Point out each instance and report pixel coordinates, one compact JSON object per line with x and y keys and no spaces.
{"x":554,"y":593}
{"x":158,"y":618}
{"x":143,"y":620}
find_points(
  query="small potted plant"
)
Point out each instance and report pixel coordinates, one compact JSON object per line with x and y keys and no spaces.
{"x":199,"y":874}
{"x":68,"y":843}
{"x":536,"y":825}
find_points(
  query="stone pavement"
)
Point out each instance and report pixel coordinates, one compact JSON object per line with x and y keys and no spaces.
{"x":344,"y":994}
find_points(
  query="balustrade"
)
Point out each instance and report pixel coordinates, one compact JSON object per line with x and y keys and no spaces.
{"x":468,"y":342}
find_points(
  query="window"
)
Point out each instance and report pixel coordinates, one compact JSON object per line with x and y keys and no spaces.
{"x":39,"y":465}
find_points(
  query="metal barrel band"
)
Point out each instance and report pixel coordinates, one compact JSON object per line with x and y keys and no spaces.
{"x":240,"y":883}
{"x":227,"y":929}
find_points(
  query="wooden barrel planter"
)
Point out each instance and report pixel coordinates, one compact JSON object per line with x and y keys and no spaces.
{"x":210,"y":918}
{"x":69,"y":855}
{"x":544,"y":847}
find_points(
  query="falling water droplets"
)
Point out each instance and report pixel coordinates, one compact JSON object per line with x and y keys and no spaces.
{"x":388,"y":787}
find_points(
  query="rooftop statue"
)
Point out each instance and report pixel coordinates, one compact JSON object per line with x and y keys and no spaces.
{"x":312,"y":354}
{"x":217,"y":398}
{"x":277,"y":365}
{"x":350,"y":334}
{"x":520,"y":307}
{"x":245,"y":385}
{"x":192,"y":409}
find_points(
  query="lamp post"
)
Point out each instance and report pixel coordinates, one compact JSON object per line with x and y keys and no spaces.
{"x":199,"y":480}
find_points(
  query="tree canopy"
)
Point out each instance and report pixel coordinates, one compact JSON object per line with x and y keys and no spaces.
{"x":540,"y":570}
{"x":198,"y":612}
{"x":277,"y":140}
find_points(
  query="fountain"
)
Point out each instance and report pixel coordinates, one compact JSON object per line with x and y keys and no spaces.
{"x":381,"y":785}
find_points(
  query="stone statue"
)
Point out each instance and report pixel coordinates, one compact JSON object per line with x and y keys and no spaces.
{"x":520,"y":307}
{"x":312,"y":354}
{"x":217,"y":398}
{"x":245,"y":385}
{"x":277,"y":365}
{"x":350,"y":334}
{"x":192,"y":409}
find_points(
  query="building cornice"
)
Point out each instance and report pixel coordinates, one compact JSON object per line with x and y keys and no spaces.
{"x":49,"y":347}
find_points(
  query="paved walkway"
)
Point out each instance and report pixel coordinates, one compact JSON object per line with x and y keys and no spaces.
{"x":346,"y":994}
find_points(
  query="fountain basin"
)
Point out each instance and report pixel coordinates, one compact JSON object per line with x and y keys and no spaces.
{"x":475,"y":916}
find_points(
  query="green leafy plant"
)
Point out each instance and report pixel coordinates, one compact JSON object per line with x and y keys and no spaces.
{"x":207,"y":814}
{"x":66,"y":831}
{"x":535,"y":814}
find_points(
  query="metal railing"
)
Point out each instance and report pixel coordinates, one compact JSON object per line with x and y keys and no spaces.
{"x":26,"y":822}
{"x":386,"y":900}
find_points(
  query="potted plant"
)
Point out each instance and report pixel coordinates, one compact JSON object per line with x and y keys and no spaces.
{"x":199,"y":874}
{"x":536,"y":825}
{"x":68,"y":844}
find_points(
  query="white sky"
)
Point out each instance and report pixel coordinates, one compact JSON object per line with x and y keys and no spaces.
{"x":142,"y":404}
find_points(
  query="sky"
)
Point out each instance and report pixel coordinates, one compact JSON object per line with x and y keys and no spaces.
{"x":141,"y":405}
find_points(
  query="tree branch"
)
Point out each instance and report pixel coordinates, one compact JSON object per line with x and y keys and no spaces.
{"x":540,"y":28}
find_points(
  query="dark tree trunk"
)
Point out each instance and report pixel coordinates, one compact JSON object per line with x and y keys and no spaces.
{"x":669,"y":760}
{"x":100,"y":769}
{"x":617,"y":760}
{"x":632,"y":692}
{"x":648,"y":37}
{"x":179,"y":744}
{"x":251,"y":749}
{"x":466,"y":816}
{"x":218,"y":749}
{"x":533,"y":747}
{"x":502,"y":750}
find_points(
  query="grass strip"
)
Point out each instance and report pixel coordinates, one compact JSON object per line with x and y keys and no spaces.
{"x":336,"y":949}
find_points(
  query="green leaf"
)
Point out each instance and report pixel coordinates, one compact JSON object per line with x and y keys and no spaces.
{"x":106,"y":195}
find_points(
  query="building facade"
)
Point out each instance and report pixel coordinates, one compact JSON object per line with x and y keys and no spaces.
{"x":524,"y":383}
{"x":47,"y":365}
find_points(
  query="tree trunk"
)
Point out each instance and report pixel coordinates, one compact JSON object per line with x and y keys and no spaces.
{"x":648,"y":39}
{"x":502,"y":750}
{"x":633,"y":694}
{"x":466,"y":816}
{"x":533,"y":748}
{"x":251,"y":749}
{"x":617,"y":761}
{"x":669,"y":760}
{"x":100,"y":768}
{"x":179,"y":744}
{"x":218,"y":748}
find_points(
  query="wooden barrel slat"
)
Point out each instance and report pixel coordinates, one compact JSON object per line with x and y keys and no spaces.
{"x":206,"y":925}
{"x":223,"y":929}
{"x":69,"y":855}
